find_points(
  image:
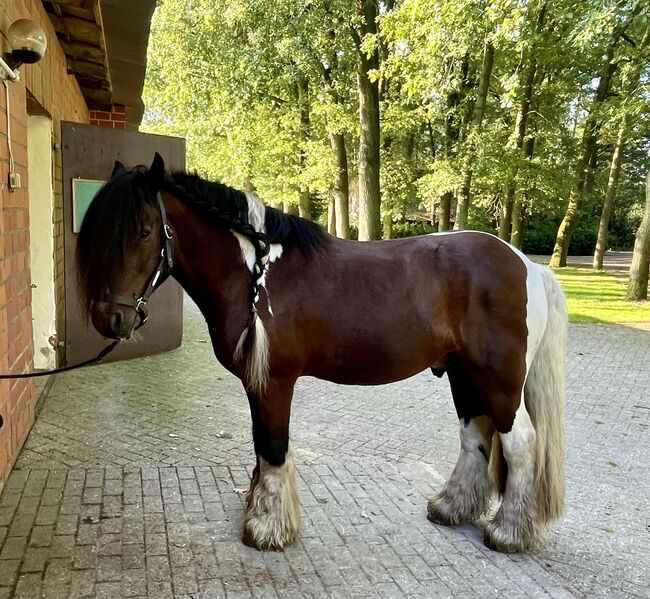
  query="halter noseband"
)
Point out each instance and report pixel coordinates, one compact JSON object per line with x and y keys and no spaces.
{"x":166,"y":259}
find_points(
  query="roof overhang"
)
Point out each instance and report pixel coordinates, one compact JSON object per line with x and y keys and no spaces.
{"x":105,"y":42}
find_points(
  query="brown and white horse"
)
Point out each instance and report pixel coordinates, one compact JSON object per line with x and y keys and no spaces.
{"x":282,"y":299}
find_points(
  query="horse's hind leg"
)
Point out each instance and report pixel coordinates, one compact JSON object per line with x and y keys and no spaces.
{"x":532,"y":428}
{"x":515,"y":526}
{"x":466,"y":495}
{"x":272,"y":517}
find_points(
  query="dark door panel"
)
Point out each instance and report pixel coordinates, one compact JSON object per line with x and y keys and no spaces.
{"x":90,"y":152}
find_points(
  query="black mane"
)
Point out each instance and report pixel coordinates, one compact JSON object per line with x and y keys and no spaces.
{"x":230,"y":207}
{"x":216,"y":201}
{"x":114,"y":219}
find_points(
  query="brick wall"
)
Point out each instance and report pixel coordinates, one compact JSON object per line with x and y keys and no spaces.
{"x":115,"y":119}
{"x":58,"y":95}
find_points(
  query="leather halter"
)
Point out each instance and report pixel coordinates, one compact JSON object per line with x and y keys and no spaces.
{"x":166,"y":260}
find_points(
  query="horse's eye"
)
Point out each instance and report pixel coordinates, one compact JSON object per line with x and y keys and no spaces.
{"x":146,"y":231}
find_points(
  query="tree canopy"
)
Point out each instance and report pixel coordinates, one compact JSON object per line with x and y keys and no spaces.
{"x":501,"y":115}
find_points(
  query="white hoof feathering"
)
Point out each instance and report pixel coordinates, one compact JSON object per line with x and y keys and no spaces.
{"x":272,"y":519}
{"x":516,"y":527}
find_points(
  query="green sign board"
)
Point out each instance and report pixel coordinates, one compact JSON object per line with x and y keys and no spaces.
{"x":83,"y":192}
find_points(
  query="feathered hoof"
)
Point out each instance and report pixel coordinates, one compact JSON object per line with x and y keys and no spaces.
{"x":454,"y":505}
{"x":510,"y":538}
{"x":272,"y":511}
{"x":439,"y":511}
{"x":268,"y":536}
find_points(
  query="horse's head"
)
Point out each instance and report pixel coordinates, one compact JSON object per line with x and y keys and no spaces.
{"x":123,"y":249}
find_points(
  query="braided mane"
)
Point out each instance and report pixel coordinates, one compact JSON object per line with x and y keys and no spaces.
{"x":230,"y":207}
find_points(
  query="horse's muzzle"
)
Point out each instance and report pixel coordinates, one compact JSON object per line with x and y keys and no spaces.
{"x":114,"y":321}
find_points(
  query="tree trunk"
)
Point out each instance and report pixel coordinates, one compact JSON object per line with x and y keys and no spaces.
{"x":387,"y":222}
{"x":341,"y":185}
{"x":249,"y":187}
{"x":637,"y":287}
{"x":477,"y":118}
{"x":444,"y":211}
{"x":505,"y":220}
{"x":369,"y":193}
{"x":631,"y":83}
{"x":340,"y":188}
{"x":517,"y":224}
{"x":452,"y":133}
{"x":586,"y":157}
{"x":464,"y":200}
{"x":610,"y":195}
{"x":303,"y":103}
{"x":304,"y":205}
{"x":331,"y":214}
{"x":289,"y":208}
{"x":527,"y":81}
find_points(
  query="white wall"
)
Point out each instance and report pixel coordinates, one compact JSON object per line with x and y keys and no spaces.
{"x":41,"y":229}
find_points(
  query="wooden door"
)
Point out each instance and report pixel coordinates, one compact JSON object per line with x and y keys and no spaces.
{"x":89,"y":153}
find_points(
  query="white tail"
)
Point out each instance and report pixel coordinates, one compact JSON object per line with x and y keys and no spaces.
{"x":544,"y":396}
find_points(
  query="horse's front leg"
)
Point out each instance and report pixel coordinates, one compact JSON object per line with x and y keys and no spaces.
{"x":272,"y":519}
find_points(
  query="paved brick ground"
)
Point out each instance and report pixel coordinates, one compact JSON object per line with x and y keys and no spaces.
{"x":129,"y":486}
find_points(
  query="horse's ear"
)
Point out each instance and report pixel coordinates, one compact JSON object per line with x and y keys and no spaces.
{"x":157,"y":168}
{"x":118,"y":169}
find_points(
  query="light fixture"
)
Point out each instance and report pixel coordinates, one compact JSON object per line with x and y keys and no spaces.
{"x":27,"y":42}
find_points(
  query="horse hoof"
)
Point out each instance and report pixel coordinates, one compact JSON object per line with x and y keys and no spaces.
{"x":260,"y":544}
{"x":439,"y":512}
{"x":256,"y":535}
{"x":502,"y":547}
{"x":506,"y":538}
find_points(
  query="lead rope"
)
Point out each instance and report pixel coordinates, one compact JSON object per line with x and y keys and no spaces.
{"x":100,"y":356}
{"x":140,"y":303}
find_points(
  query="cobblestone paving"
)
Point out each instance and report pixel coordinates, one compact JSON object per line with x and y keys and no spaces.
{"x":130,"y":486}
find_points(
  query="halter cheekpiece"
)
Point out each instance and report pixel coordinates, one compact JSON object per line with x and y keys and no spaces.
{"x":166,"y":260}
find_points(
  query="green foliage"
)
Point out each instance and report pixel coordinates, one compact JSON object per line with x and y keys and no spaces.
{"x":412,"y":228}
{"x":226,"y":75}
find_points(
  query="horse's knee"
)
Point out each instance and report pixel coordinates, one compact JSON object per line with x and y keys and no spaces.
{"x":476,"y":436}
{"x":272,"y":518}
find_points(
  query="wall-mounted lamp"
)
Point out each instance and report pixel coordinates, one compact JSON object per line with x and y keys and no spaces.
{"x":27,"y":42}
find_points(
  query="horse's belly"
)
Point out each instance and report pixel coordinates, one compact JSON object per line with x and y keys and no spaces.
{"x":378,"y":365}
{"x":368,"y":377}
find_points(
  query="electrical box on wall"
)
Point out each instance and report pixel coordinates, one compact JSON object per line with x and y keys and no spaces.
{"x":14,"y":181}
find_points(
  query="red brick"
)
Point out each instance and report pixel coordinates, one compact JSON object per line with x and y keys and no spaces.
{"x":59,"y":94}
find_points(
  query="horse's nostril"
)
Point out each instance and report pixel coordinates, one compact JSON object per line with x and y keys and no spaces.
{"x":116,"y":320}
